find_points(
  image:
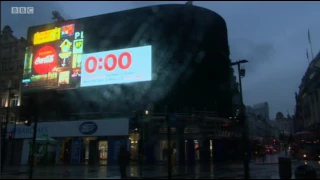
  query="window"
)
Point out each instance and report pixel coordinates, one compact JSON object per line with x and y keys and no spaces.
{"x":3,"y":84}
{"x":6,"y":52}
{"x":14,"y":102}
{"x":12,"y":119}
{"x":3,"y":66}
{"x":16,"y":50}
{"x":11,"y":66}
{"x":3,"y":118}
{"x":164,"y":149}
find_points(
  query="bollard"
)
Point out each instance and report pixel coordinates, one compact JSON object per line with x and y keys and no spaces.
{"x":65,"y":174}
{"x":285,"y":171}
{"x":305,"y":172}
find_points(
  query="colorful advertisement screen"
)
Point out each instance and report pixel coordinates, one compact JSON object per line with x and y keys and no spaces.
{"x":57,"y":60}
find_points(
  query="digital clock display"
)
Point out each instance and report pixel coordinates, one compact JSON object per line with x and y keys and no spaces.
{"x":116,"y":67}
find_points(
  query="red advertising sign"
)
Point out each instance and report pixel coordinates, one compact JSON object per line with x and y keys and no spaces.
{"x":45,"y":60}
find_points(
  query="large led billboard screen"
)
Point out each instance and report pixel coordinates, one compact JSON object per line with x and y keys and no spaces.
{"x":116,"y":67}
{"x":58,"y":59}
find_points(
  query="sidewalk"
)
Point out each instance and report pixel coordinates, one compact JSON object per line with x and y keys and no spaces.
{"x":216,"y":171}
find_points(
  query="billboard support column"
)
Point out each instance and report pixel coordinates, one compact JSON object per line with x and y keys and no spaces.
{"x":34,"y":137}
{"x":13,"y":140}
{"x":169,"y":144}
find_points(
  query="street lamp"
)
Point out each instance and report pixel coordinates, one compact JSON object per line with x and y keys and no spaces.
{"x":4,"y":129}
{"x":241,"y":73}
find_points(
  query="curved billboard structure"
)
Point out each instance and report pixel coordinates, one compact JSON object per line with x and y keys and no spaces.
{"x":142,"y":58}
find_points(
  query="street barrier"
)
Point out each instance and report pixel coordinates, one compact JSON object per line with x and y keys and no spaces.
{"x":285,"y":171}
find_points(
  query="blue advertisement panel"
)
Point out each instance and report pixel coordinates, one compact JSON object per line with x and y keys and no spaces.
{"x":116,"y":67}
{"x":76,"y":151}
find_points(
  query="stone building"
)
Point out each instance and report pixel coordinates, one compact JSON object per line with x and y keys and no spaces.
{"x":11,"y":68}
{"x":307,"y":110}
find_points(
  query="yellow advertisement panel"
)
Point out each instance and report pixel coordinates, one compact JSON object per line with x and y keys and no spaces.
{"x":47,"y":36}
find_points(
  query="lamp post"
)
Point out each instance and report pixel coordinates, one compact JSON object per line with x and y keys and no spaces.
{"x":141,"y":154}
{"x":4,"y":129}
{"x":13,"y":140}
{"x":245,"y":128}
{"x":168,"y":143}
{"x":142,"y":119}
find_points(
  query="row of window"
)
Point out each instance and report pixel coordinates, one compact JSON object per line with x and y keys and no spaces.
{"x":12,"y":119}
{"x":11,"y":51}
{"x":13,"y":102}
{"x":9,"y":66}
{"x":4,"y":83}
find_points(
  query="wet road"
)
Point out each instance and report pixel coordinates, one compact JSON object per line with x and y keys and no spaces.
{"x":258,"y":170}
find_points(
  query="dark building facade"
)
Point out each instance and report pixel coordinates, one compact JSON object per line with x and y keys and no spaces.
{"x":190,"y":64}
{"x":190,"y":72}
{"x":307,"y":114}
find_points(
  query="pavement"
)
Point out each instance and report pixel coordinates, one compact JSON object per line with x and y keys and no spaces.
{"x":258,"y":170}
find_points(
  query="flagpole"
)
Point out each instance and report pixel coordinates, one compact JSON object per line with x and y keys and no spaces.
{"x":309,"y":37}
{"x":308,"y":57}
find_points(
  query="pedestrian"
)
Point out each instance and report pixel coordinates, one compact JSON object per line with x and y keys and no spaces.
{"x":263,"y":156}
{"x":123,"y":160}
{"x":173,"y":158}
{"x":164,"y":153}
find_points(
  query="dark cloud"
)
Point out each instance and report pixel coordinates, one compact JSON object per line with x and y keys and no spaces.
{"x":255,"y":53}
{"x":19,"y":23}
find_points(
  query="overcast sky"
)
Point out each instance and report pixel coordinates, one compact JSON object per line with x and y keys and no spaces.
{"x":271,"y":35}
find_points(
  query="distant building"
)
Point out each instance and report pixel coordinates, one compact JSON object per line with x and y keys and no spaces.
{"x":262,"y":109}
{"x":259,"y":123}
{"x":285,"y":124}
{"x":256,"y":125}
{"x":307,"y":110}
{"x":11,"y":68}
{"x":274,"y":128}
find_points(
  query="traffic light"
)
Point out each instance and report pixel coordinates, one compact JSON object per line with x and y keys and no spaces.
{"x":10,"y":136}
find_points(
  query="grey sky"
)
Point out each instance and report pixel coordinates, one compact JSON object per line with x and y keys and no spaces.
{"x":271,"y":35}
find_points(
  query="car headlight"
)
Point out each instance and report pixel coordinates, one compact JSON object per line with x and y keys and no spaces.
{"x":304,"y":155}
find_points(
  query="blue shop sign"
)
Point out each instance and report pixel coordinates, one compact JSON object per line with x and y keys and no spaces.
{"x":29,"y":130}
{"x":88,"y":128}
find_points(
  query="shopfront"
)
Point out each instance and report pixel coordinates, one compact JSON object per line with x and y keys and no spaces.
{"x":78,"y":142}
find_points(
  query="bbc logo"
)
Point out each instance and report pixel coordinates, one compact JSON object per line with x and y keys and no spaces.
{"x":22,"y":10}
